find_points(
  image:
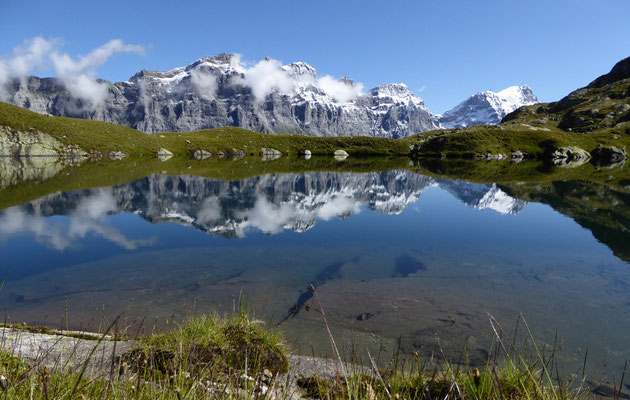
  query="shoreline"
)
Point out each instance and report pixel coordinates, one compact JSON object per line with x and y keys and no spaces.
{"x":66,"y":352}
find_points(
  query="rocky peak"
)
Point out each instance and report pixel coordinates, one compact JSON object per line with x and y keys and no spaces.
{"x":397,"y":93}
{"x":620,"y":71}
{"x":514,"y":97}
{"x":222,"y":61}
{"x":488,"y":107}
{"x":223,"y":58}
{"x":146,"y":74}
{"x":347,"y":81}
{"x":392,"y":89}
{"x":300,"y":70}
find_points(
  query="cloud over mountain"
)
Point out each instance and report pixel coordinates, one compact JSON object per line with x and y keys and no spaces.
{"x":78,"y":74}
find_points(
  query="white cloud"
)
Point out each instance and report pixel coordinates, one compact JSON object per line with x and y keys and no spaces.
{"x":339,"y":90}
{"x":268,"y":75}
{"x":79,"y":75}
{"x":206,"y":84}
{"x":4,"y":79}
{"x":32,"y":54}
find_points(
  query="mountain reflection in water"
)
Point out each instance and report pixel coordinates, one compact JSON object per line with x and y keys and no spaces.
{"x":270,"y":203}
{"x":397,"y":258}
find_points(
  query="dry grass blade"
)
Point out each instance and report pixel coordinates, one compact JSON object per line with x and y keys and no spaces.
{"x":87,"y":360}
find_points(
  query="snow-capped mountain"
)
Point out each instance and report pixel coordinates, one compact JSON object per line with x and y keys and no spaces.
{"x":487,"y":107}
{"x":222,"y":91}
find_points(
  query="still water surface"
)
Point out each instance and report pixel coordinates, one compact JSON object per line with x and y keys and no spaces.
{"x":398,"y":259}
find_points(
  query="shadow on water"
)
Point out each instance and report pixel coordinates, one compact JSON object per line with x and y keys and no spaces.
{"x":406,"y":265}
{"x":331,"y":271}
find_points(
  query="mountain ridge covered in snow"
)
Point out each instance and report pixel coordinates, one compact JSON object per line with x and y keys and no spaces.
{"x":268,"y":97}
{"x":223,"y":91}
{"x":487,"y":107}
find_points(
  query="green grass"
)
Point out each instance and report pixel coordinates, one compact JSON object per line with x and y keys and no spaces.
{"x":225,"y":358}
{"x":97,"y":137}
{"x":216,"y":345}
{"x":513,"y":371}
{"x":205,"y":357}
{"x":510,"y":137}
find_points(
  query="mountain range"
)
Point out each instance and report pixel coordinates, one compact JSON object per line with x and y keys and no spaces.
{"x":268,"y":97}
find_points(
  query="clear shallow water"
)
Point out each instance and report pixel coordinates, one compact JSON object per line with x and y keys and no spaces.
{"x":398,"y":259}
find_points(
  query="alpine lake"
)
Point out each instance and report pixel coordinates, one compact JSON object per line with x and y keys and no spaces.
{"x":405,"y":256}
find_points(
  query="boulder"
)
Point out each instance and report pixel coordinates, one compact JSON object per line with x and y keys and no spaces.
{"x":608,"y":155}
{"x":341,"y":155}
{"x":116,"y":155}
{"x":270,"y":154}
{"x":201,"y":155}
{"x":36,"y":144}
{"x":567,"y":156}
{"x":163,"y":154}
{"x":232,"y":154}
{"x":569,"y":153}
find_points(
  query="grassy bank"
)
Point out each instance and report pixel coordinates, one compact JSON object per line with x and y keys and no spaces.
{"x":530,"y":132}
{"x":525,"y":136}
{"x":96,"y":137}
{"x":209,"y":357}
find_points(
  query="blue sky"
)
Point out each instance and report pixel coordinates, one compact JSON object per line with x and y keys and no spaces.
{"x":443,"y":50}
